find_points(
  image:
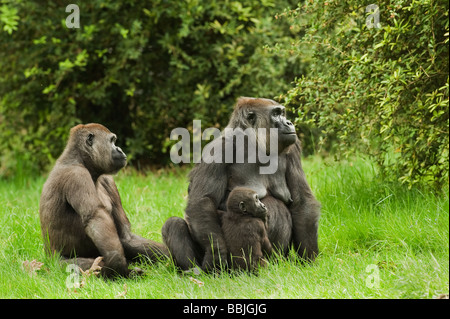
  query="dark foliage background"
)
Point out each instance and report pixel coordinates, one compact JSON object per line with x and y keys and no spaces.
{"x":380,"y":91}
{"x":140,"y":68}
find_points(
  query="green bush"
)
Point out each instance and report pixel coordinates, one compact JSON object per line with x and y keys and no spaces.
{"x":382,"y":90}
{"x":139,"y":68}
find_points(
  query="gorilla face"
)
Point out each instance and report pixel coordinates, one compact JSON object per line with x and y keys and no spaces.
{"x":259,"y":210}
{"x":119,"y":158}
{"x":104,"y":155}
{"x":252,"y":205}
{"x":286,"y":130}
{"x":274,"y":116}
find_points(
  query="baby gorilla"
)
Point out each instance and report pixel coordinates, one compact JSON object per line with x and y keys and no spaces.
{"x":244,"y":230}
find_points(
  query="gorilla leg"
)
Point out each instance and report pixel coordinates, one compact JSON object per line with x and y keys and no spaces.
{"x":305,"y":225}
{"x":136,"y":246}
{"x":177,"y":237}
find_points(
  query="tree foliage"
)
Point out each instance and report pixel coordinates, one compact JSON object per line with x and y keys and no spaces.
{"x":143,"y":69}
{"x":140,"y":68}
{"x":381,"y":89}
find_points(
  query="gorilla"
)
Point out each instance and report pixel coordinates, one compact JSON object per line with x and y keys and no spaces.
{"x":293,"y":211}
{"x":244,"y":230}
{"x":81,"y":213}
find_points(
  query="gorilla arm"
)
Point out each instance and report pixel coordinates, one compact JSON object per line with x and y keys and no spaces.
{"x":305,"y":209}
{"x":207,"y":189}
{"x":82,"y":195}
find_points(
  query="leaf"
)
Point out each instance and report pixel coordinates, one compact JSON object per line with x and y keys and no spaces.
{"x":95,"y":268}
{"x":49,"y":89}
{"x":123,"y":293}
{"x":41,"y":40}
{"x":95,"y":265}
{"x":197,"y":282}
{"x":32,"y":266}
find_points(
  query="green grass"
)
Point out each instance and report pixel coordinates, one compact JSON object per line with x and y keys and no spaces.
{"x":403,"y":234}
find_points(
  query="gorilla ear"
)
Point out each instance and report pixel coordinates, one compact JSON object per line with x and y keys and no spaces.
{"x":90,"y":139}
{"x":242,"y":206}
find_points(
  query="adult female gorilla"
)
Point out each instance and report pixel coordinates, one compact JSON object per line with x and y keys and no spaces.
{"x":293,"y":211}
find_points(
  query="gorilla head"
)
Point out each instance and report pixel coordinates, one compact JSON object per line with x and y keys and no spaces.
{"x":259,"y":113}
{"x":95,"y":145}
{"x":244,"y":200}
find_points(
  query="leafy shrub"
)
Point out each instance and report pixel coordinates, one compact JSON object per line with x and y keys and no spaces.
{"x":139,"y":68}
{"x":383,"y":91}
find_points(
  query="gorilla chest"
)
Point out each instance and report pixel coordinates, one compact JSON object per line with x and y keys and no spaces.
{"x":248,"y":175}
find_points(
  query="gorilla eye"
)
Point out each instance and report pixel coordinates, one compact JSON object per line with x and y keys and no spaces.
{"x":277,"y":111}
{"x":113,"y":139}
{"x":251,"y":117}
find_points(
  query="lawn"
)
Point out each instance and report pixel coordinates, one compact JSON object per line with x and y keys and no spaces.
{"x":376,"y":239}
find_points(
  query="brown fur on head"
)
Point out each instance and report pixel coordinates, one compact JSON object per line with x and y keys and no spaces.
{"x":94,"y":126}
{"x":245,"y":105}
{"x":253,"y":102}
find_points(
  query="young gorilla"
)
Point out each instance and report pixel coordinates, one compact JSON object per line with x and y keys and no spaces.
{"x":80,"y":210}
{"x":243,"y":226}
